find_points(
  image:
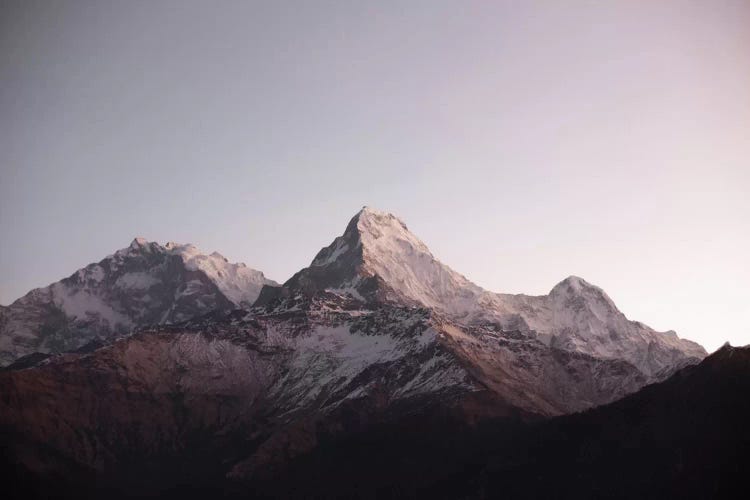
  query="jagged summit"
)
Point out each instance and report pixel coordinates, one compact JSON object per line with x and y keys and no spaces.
{"x":574,"y":283}
{"x":138,"y":242}
{"x":575,"y":289}
{"x":373,"y":225}
{"x":377,"y":233}
{"x":378,"y":259}
{"x":142,"y":284}
{"x":239,"y":283}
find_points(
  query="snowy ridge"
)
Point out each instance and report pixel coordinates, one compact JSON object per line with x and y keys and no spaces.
{"x":378,"y":258}
{"x":237,"y":282}
{"x":393,"y":253}
{"x":142,"y":284}
{"x":580,"y":317}
{"x":329,"y":349}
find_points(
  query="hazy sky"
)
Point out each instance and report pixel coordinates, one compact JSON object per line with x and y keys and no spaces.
{"x":522,"y":141}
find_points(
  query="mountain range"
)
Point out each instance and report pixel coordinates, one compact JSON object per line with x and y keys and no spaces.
{"x":160,"y":366}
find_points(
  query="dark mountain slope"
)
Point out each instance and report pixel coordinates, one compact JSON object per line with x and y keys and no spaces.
{"x":687,"y":437}
{"x":684,"y":438}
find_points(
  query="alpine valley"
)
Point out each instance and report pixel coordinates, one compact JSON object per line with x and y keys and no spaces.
{"x":376,"y":372}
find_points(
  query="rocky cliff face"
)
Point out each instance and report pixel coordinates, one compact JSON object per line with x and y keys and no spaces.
{"x":143,"y":284}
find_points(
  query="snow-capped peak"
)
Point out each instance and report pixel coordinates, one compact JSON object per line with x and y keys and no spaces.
{"x":574,"y":287}
{"x":138,"y":246}
{"x":142,"y":284}
{"x":138,"y":242}
{"x":573,"y":283}
{"x":378,"y":256}
{"x":382,"y":232}
{"x":239,"y":283}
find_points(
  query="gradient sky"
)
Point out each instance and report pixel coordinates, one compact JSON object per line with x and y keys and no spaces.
{"x":522,"y":141}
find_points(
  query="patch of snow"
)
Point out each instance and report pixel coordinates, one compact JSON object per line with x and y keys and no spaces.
{"x":237,"y":282}
{"x":82,"y":305}
{"x":340,"y":248}
{"x":350,"y":290}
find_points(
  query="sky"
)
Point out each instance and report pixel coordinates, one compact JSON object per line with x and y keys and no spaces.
{"x":521,"y":141}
